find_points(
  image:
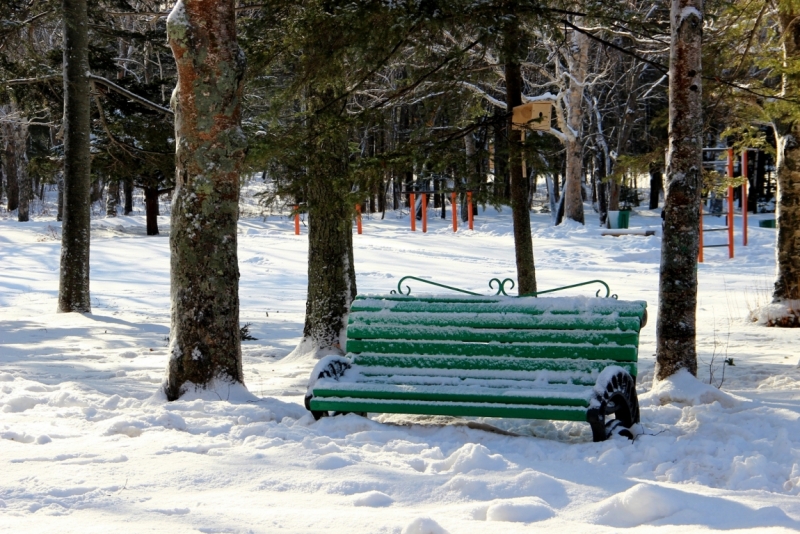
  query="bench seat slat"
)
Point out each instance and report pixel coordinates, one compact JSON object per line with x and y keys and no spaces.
{"x":494,"y":364}
{"x":456,"y":409}
{"x":530,"y":306}
{"x":499,"y":320}
{"x":362,"y":331}
{"x":501,"y":393}
{"x":519,"y":350}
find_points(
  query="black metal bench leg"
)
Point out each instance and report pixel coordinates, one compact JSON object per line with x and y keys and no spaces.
{"x":618,"y":398}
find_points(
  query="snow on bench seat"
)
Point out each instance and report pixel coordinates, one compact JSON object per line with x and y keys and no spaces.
{"x":480,"y":356}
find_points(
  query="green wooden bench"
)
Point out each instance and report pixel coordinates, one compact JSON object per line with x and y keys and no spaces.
{"x":560,"y":358}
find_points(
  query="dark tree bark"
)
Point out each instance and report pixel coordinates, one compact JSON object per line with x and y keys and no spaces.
{"x":656,"y":184}
{"x":523,"y":240}
{"x":10,"y":165}
{"x":151,"y":209}
{"x":205,"y":347}
{"x":60,"y":201}
{"x":23,"y":178}
{"x":73,"y":291}
{"x":112,"y":199}
{"x":127,"y":192}
{"x":677,"y":296}
{"x":331,"y":273}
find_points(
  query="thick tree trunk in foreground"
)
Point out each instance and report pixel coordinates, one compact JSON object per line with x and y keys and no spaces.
{"x":573,"y":198}
{"x":787,"y":133}
{"x":73,"y":290}
{"x":523,"y":240}
{"x":331,"y":273}
{"x":204,"y":338}
{"x":677,"y":296}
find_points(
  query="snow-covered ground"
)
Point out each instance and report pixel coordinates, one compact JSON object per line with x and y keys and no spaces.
{"x":88,"y":446}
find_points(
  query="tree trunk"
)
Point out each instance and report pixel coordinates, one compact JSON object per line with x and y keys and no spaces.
{"x":60,"y":201}
{"x":787,"y":133}
{"x":205,"y":347}
{"x":523,"y":240}
{"x":602,"y":188}
{"x":23,"y":178}
{"x":10,"y":165}
{"x":127,"y":191}
{"x":573,"y":197}
{"x":73,"y":290}
{"x":656,"y":184}
{"x":151,"y":209}
{"x":331,"y":272}
{"x":677,"y":297}
{"x":112,"y":198}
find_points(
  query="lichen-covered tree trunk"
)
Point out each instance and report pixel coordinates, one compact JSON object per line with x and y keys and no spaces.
{"x":677,"y":297}
{"x":73,"y":289}
{"x":573,"y":191}
{"x":520,"y":214}
{"x":331,"y":271}
{"x":205,"y":343}
{"x":787,"y":133}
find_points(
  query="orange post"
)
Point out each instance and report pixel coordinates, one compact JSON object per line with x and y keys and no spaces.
{"x":454,"y":210}
{"x":730,"y":204}
{"x":358,"y":218}
{"x":745,"y":186}
{"x":412,"y":199}
{"x":297,"y":220}
{"x":700,"y":250}
{"x":424,"y":212}
{"x":469,"y":208}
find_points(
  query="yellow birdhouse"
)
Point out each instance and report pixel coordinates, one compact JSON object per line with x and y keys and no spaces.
{"x":532,"y":116}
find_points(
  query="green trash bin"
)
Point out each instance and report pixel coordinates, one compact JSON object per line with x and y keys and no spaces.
{"x":767,"y":223}
{"x":624,"y":219}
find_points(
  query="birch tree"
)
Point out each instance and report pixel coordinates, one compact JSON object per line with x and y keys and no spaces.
{"x":205,"y":347}
{"x":677,"y":295}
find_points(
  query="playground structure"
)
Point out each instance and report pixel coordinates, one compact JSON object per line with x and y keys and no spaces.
{"x":730,"y":212}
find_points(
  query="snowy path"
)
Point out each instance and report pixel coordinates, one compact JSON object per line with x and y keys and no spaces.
{"x":86,"y":446}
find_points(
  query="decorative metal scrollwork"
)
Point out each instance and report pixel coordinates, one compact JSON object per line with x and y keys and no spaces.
{"x":501,"y":288}
{"x":408,"y":289}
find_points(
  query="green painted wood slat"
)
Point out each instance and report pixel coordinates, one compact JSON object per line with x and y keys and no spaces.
{"x":481,"y":335}
{"x":519,"y":350}
{"x":454,"y":409}
{"x":498,"y":320}
{"x":485,"y":363}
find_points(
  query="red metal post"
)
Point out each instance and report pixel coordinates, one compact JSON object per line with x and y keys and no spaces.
{"x":454,"y":210}
{"x":730,"y":204}
{"x":297,"y":220}
{"x":424,"y":212}
{"x":469,"y":208}
{"x":413,"y":201}
{"x":358,"y":218}
{"x":745,"y":186}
